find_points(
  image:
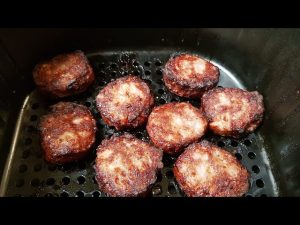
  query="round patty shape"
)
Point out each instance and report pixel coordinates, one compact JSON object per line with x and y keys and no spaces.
{"x":205,"y":170}
{"x":173,"y":126}
{"x":232,"y":111}
{"x":125,"y":102}
{"x":64,"y":75}
{"x":126,"y":166}
{"x":67,"y":133}
{"x":190,"y":75}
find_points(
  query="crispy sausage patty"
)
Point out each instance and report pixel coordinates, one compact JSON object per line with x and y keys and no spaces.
{"x":206,"y":170}
{"x":125,"y":102}
{"x":232,"y":111}
{"x":190,"y":75}
{"x":172,"y":126}
{"x":64,"y":75}
{"x":126,"y":166}
{"x":67,"y":133}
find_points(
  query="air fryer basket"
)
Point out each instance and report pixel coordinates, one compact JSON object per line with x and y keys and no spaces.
{"x":254,"y":59}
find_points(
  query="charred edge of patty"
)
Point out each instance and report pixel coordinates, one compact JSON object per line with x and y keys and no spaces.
{"x":173,"y":148}
{"x":236,"y":132}
{"x":75,"y":86}
{"x":105,"y":187}
{"x":209,"y":79}
{"x":242,"y":185}
{"x":136,"y":118}
{"x":69,"y":156}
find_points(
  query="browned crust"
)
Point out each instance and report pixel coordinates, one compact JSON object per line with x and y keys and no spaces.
{"x":126,"y":179}
{"x":134,"y":114}
{"x":159,"y":132}
{"x":64,"y":75}
{"x":248,"y":122}
{"x":218,"y":183}
{"x":58,"y":124}
{"x":196,"y":83}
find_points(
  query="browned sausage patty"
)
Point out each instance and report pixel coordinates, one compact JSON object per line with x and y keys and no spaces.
{"x":172,"y":126}
{"x":64,"y":75}
{"x":125,"y":102}
{"x":232,"y":111}
{"x":190,"y":75}
{"x":67,"y":133}
{"x":126,"y":166}
{"x":206,"y":170}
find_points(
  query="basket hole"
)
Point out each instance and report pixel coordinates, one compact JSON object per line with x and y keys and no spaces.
{"x":147,"y":63}
{"x":147,"y":72}
{"x":139,"y":135}
{"x":113,"y":73}
{"x":50,"y":181}
{"x":159,"y":72}
{"x":113,"y":66}
{"x":221,"y":144}
{"x":35,"y":105}
{"x":173,"y":100}
{"x":170,"y":174}
{"x":162,"y":101}
{"x":172,"y":189}
{"x":20,"y":183}
{"x":22,"y":168}
{"x":87,"y":104}
{"x":255,"y":169}
{"x":156,"y":190}
{"x":149,"y":82}
{"x":159,"y":176}
{"x":158,"y":63}
{"x":136,"y":72}
{"x":123,"y":64}
{"x":80,"y":180}
{"x":249,"y":196}
{"x":101,"y":83}
{"x":65,"y":180}
{"x":94,"y":180}
{"x":25,"y":154}
{"x":33,"y":118}
{"x":124,"y":73}
{"x":238,"y":156}
{"x":260,"y":183}
{"x":64,"y":194}
{"x":49,"y":195}
{"x":96,"y":194}
{"x":28,"y":141}
{"x":136,"y":63}
{"x":161,"y":91}
{"x":247,"y":142}
{"x":234,"y":143}
{"x":251,"y":155}
{"x":35,"y":182}
{"x":79,"y":194}
{"x":52,"y":167}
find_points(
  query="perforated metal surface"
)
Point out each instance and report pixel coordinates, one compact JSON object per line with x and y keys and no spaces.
{"x":27,"y":174}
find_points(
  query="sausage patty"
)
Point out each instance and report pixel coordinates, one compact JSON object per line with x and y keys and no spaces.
{"x":205,"y":170}
{"x":125,"y":102}
{"x":190,"y":75}
{"x":126,"y":166}
{"x":232,"y":111}
{"x":172,"y":126}
{"x":64,"y":75}
{"x":67,"y":132}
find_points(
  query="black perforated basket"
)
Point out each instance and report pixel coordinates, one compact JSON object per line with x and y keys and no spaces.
{"x":27,"y":173}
